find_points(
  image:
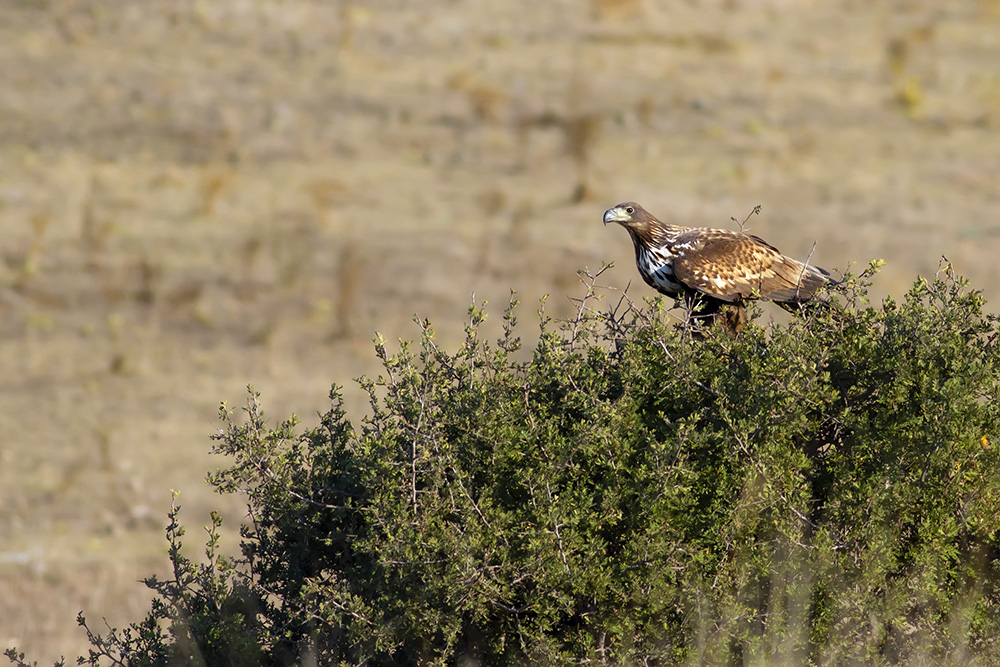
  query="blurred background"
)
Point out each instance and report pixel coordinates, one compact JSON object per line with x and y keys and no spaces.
{"x":199,"y":195}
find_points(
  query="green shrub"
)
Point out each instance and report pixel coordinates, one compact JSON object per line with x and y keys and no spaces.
{"x":826,"y":491}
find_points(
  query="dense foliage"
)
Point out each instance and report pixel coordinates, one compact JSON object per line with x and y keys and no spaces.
{"x":824,"y":491}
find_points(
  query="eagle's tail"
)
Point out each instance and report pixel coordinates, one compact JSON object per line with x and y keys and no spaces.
{"x":803,"y":281}
{"x":807,"y":296}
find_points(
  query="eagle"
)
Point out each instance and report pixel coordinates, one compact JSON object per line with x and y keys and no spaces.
{"x":715,"y":271}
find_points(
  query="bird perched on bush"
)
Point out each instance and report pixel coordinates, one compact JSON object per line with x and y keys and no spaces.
{"x":716,"y":271}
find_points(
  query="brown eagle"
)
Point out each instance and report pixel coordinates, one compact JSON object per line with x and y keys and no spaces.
{"x":715,"y":270}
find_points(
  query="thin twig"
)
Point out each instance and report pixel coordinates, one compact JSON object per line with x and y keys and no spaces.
{"x":802,"y":273}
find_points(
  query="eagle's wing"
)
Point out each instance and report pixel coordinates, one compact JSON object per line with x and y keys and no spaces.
{"x":731,"y":266}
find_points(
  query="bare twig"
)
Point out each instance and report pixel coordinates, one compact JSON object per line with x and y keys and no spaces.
{"x":562,"y":554}
{"x":743,"y":225}
{"x":802,"y":273}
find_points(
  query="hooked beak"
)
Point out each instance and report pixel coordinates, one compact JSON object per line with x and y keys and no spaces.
{"x":614,"y":215}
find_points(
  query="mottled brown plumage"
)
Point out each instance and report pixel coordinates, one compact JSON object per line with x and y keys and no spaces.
{"x":715,"y":270}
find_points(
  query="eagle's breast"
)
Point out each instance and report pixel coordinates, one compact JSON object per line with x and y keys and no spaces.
{"x":656,"y":266}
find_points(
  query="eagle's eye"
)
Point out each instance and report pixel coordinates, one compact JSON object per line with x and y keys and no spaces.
{"x":629,"y":210}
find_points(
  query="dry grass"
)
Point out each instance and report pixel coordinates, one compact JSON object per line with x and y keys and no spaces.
{"x":244,"y":193}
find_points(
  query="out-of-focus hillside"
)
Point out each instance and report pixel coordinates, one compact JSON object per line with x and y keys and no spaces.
{"x":195,"y":196}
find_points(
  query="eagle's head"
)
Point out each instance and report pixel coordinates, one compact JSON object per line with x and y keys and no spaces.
{"x":628,"y":214}
{"x":640,"y":223}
